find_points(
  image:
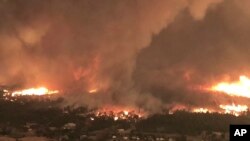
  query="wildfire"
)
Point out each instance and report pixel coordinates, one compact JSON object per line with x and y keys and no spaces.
{"x":202,"y":110}
{"x":120,"y":113}
{"x":239,"y":88}
{"x":234,"y":109}
{"x":225,"y":109}
{"x":125,"y":112}
{"x":116,"y":118}
{"x":34,"y":91}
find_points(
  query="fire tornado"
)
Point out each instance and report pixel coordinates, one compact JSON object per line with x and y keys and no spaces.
{"x":150,"y":56}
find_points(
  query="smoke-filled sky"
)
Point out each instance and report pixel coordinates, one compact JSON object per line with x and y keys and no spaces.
{"x":134,"y":52}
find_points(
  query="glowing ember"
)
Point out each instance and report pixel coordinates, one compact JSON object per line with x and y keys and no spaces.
{"x":34,"y":91}
{"x":93,"y":91}
{"x":239,"y":88}
{"x":234,"y":109}
{"x":125,"y":113}
{"x":120,"y":113}
{"x":201,"y":110}
{"x":116,"y":118}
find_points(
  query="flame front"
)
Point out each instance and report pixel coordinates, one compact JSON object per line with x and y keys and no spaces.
{"x":239,"y":88}
{"x":202,"y":110}
{"x":34,"y":91}
{"x":234,"y":109}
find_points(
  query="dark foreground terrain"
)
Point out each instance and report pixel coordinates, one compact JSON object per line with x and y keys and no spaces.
{"x":47,"y":119}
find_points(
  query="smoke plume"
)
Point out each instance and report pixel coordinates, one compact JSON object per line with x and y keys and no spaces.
{"x":132,"y":53}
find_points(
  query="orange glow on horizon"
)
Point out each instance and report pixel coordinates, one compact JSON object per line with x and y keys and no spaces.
{"x":34,"y":91}
{"x":234,"y":109}
{"x":202,"y":110}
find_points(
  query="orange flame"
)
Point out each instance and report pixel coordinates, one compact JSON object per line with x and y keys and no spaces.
{"x":234,"y":109}
{"x":202,"y":110}
{"x":93,"y":91}
{"x":120,"y":113}
{"x":34,"y":91}
{"x":239,"y":88}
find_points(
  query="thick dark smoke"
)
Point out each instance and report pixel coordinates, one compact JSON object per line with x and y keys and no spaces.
{"x":134,"y":52}
{"x":190,"y":54}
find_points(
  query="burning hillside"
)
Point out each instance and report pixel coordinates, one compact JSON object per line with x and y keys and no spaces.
{"x":239,"y":88}
{"x":151,"y":56}
{"x":34,"y":91}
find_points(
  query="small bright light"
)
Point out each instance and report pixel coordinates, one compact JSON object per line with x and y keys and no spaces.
{"x":125,"y":113}
{"x":93,"y":91}
{"x":201,"y":110}
{"x":116,"y":118}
